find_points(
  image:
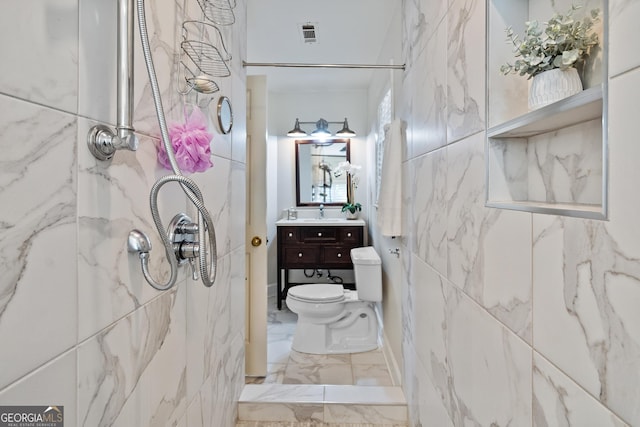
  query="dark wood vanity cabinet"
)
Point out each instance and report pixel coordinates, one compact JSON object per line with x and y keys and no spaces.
{"x":314,"y":247}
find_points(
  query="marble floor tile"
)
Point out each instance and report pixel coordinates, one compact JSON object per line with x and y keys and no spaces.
{"x":375,"y":357}
{"x":275,"y":375}
{"x":364,"y":395}
{"x":318,"y":373}
{"x":319,"y":359}
{"x":287,"y":366}
{"x":371,"y":375}
{"x":278,"y":348}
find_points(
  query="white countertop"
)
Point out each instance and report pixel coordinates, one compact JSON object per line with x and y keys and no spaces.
{"x":321,"y":222}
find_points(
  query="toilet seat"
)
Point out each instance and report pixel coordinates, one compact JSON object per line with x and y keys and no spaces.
{"x":317,"y":293}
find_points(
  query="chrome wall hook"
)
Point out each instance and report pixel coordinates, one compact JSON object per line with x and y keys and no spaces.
{"x":395,"y":252}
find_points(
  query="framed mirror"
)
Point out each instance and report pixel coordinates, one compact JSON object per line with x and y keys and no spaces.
{"x":316,"y":183}
{"x":225,"y":115}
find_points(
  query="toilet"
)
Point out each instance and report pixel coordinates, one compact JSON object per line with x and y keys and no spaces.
{"x":334,"y":320}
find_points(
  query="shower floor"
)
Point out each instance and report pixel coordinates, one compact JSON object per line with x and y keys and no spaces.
{"x":286,"y":366}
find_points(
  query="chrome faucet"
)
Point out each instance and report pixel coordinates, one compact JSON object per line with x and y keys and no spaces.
{"x":321,"y":211}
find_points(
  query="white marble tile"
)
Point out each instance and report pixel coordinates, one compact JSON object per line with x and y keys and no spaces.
{"x":53,"y":384}
{"x":282,"y":393}
{"x":374,"y":357}
{"x":238,"y":96}
{"x":136,"y":369}
{"x":508,"y":175}
{"x":428,"y":406}
{"x":478,"y":371}
{"x":429,"y":120}
{"x":237,"y":292}
{"x":319,"y":359}
{"x":374,"y":395}
{"x":207,"y":333}
{"x":489,"y":367}
{"x":275,"y":375}
{"x":466,"y":69}
{"x":198,"y":413}
{"x":566,"y":166}
{"x":467,"y":216}
{"x":237,"y":202}
{"x":227,"y":382}
{"x":40,"y":52}
{"x":279,"y":348}
{"x":38,"y":237}
{"x":420,"y":20}
{"x":217,"y":200}
{"x":623,"y":29}
{"x":560,"y":401}
{"x":371,"y":375}
{"x":506,"y":254}
{"x":585,"y":326}
{"x":317,"y":373}
{"x":488,"y":249}
{"x":427,"y":184}
{"x":430,"y":319}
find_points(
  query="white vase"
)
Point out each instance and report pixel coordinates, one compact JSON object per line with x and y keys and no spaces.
{"x":553,"y":85}
{"x":352,"y":215}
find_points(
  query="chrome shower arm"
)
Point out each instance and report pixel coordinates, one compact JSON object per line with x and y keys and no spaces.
{"x":102,"y":141}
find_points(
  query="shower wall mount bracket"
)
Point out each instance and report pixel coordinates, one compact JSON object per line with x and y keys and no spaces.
{"x":103,"y":142}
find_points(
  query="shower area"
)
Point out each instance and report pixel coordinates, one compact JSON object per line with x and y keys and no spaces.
{"x":80,"y":326}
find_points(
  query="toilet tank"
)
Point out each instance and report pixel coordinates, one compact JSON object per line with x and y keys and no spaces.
{"x":368,"y":273}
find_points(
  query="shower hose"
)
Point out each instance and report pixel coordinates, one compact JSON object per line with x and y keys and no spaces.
{"x":190,"y":188}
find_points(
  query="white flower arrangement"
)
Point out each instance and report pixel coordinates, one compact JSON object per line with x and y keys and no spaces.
{"x":352,"y":183}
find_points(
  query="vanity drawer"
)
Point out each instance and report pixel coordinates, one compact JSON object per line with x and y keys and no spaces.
{"x":319,"y":234}
{"x":351,"y":235}
{"x":337,"y":255}
{"x":301,"y":255}
{"x":289,"y":234}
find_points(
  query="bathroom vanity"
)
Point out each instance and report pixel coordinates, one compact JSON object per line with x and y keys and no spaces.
{"x":315,"y":244}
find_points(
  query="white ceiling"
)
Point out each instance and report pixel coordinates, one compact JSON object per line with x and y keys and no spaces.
{"x":348,"y":32}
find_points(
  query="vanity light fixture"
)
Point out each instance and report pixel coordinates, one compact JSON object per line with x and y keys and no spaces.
{"x":321,"y":130}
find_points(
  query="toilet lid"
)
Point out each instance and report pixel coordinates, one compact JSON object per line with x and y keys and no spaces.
{"x":317,"y":293}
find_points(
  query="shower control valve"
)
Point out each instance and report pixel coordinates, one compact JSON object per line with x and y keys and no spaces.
{"x":183,"y":235}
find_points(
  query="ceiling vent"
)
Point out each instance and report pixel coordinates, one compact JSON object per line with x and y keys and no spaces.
{"x":309,"y":33}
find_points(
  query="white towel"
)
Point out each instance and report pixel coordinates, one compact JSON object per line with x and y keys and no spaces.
{"x":390,"y":197}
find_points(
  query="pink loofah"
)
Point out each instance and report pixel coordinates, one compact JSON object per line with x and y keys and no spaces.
{"x":191,"y":143}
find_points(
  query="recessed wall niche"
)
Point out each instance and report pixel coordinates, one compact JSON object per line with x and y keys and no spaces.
{"x":552,"y":160}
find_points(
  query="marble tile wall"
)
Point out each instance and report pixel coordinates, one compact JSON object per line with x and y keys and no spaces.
{"x":76,"y":314}
{"x":512,"y":318}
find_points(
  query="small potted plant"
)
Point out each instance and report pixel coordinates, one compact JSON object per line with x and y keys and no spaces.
{"x":548,"y":54}
{"x":351,"y":208}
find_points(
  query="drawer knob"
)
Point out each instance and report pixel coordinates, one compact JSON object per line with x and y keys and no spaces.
{"x":339,"y":255}
{"x":348,"y":234}
{"x":319,"y":234}
{"x":290,"y":234}
{"x":299,"y":254}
